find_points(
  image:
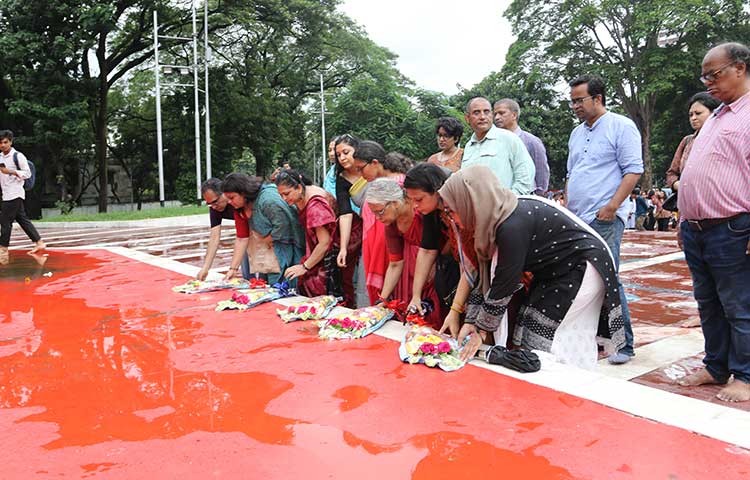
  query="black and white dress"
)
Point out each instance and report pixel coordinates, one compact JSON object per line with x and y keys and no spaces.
{"x":555,"y":246}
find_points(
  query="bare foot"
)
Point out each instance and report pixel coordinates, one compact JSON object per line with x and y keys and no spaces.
{"x":38,"y":248}
{"x":4,"y":256}
{"x":737,"y":391}
{"x":701,"y":377}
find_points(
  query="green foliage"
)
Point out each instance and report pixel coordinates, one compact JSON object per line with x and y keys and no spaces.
{"x":623,"y":41}
{"x":132,"y":215}
{"x":186,"y":188}
{"x":390,"y":113}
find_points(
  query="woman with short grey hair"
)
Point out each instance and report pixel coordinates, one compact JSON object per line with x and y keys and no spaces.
{"x":403,"y":235}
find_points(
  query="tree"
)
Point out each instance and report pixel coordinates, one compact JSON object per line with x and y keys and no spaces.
{"x":62,"y":37}
{"x":46,"y":101}
{"x":642,"y":48}
{"x":272,"y":53}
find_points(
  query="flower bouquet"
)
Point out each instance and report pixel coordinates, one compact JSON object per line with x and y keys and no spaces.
{"x":244,"y":299}
{"x":354,"y":324}
{"x":315,"y":308}
{"x":425,"y":345}
{"x":203,"y":286}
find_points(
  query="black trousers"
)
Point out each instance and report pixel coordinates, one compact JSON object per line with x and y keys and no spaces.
{"x":14,"y":210}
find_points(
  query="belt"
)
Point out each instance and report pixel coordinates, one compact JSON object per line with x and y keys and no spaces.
{"x":700,"y":225}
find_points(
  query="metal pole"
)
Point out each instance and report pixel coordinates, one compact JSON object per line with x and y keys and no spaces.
{"x":159,"y":146}
{"x":197,"y":107}
{"x":323,"y":127}
{"x":206,"y":58}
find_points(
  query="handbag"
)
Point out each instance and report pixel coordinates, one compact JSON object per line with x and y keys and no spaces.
{"x":670,"y":204}
{"x":334,"y":279}
{"x":262,"y":256}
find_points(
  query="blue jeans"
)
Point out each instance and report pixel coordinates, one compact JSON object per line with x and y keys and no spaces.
{"x":611,"y":232}
{"x":720,"y":268}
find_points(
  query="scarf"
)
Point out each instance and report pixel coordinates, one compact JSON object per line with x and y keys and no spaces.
{"x":463,"y":192}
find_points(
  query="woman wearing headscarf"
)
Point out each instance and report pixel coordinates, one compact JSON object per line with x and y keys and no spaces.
{"x":574,"y":293}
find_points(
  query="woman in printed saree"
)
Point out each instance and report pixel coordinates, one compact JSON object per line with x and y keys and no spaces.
{"x":574,"y":292}
{"x":315,"y":209}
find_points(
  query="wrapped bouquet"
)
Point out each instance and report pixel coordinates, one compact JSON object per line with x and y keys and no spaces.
{"x":315,"y":308}
{"x":355,"y":324}
{"x":202,"y":286}
{"x":244,"y":299}
{"x":425,"y":345}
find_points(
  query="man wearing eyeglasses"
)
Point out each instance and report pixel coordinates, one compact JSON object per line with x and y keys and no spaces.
{"x":714,"y":205}
{"x":219,"y":209}
{"x":604,"y":165}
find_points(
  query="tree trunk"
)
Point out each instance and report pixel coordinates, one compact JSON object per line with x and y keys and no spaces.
{"x":641,"y":112}
{"x":100,"y":122}
{"x":647,"y":177}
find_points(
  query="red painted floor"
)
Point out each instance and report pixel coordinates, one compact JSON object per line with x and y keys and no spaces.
{"x":104,"y":372}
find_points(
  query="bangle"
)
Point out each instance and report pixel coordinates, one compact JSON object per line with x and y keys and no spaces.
{"x":305,"y":266}
{"x":458,"y":309}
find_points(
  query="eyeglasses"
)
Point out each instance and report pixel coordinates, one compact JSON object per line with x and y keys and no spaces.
{"x":712,"y":76}
{"x":380,"y":213}
{"x":213,"y":202}
{"x":579,"y":101}
{"x":445,"y":137}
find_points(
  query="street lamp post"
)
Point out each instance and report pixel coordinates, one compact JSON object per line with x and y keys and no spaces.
{"x":183,"y":69}
{"x":206,"y":59}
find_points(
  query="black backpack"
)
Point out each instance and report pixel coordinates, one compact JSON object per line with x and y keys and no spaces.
{"x":28,"y":184}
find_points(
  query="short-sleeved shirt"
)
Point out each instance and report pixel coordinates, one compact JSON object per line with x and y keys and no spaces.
{"x":240,"y":223}
{"x":714,"y":182}
{"x":598,"y":157}
{"x":434,"y":232}
{"x":504,"y":153}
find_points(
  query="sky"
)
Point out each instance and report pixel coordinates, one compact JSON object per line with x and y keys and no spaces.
{"x":439,"y":43}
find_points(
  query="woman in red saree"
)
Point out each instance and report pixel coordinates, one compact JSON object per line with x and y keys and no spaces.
{"x":314,"y":206}
{"x":403,"y":234}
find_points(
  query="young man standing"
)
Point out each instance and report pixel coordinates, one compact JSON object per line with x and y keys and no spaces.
{"x":11,"y":182}
{"x":604,"y":165}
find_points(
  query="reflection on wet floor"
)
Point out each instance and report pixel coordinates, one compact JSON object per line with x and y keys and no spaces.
{"x":104,"y":369}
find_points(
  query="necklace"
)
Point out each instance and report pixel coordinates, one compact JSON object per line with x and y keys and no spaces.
{"x":442,"y":157}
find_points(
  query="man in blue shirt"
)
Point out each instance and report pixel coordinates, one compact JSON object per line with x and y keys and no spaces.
{"x":500,"y":150}
{"x":604,"y":165}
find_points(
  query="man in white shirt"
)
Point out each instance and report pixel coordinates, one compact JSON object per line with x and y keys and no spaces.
{"x":14,"y":169}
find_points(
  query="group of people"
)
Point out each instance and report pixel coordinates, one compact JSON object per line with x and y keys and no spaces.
{"x":468,"y":239}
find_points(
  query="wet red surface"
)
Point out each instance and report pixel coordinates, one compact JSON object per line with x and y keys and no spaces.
{"x":104,"y":372}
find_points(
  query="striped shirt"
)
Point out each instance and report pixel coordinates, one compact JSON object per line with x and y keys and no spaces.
{"x":715,"y":182}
